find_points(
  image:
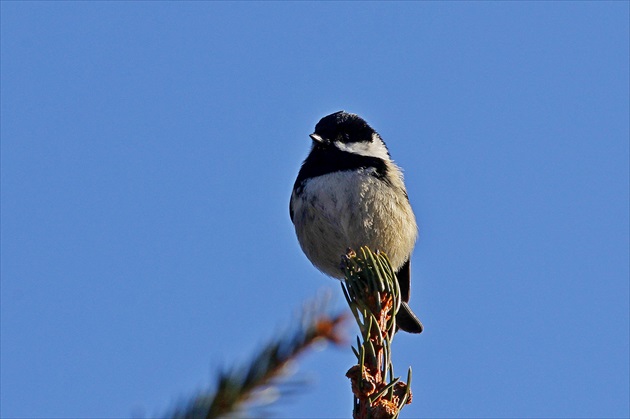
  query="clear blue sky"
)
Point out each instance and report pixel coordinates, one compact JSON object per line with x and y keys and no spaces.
{"x":148,"y":154}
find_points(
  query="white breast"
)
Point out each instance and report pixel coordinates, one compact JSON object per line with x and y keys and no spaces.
{"x":351,"y":209}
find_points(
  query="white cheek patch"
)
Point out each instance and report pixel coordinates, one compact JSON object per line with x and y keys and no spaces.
{"x":375,"y":148}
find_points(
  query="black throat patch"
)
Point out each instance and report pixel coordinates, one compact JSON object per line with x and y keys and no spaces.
{"x":324,"y":160}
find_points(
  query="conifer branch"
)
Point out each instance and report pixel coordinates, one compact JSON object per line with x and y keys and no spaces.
{"x":372,"y":292}
{"x":237,"y":387}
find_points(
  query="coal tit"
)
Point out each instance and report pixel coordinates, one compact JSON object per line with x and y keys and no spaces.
{"x":349,"y":193}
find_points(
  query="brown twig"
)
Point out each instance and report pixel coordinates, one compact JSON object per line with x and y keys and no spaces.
{"x":372,"y":292}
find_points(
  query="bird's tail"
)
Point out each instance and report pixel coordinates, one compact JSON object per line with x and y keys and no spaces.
{"x":407,"y":320}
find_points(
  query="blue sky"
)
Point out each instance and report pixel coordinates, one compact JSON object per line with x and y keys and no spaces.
{"x":148,"y":154}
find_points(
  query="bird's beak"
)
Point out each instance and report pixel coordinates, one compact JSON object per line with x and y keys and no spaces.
{"x":317,"y":138}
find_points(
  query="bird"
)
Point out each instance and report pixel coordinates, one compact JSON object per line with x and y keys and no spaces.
{"x":349,"y":193}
